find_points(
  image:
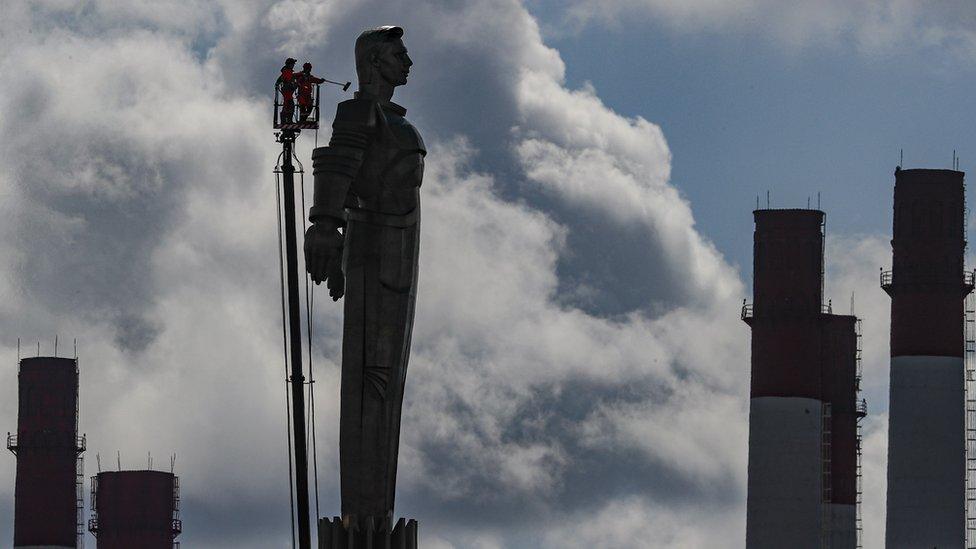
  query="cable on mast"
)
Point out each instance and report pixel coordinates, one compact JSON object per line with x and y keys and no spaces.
{"x":284,"y":347}
{"x":309,"y":304}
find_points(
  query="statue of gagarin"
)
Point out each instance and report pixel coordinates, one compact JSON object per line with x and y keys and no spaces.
{"x":363,"y":243}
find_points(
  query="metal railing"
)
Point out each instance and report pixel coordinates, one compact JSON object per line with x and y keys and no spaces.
{"x":748,"y":311}
{"x":282,"y":120}
{"x":14,"y":443}
{"x":887,"y":279}
{"x":862,"y":408}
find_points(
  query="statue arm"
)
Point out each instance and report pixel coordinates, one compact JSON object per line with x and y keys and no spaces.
{"x":334,"y":168}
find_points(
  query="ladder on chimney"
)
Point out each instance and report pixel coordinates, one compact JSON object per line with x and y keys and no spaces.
{"x":862,"y":411}
{"x":826,"y":484}
{"x":80,"y":500}
{"x":81,"y":444}
{"x":970,"y":421}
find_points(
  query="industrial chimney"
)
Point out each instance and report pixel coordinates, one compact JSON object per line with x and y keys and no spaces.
{"x":135,"y":509}
{"x":48,"y":495}
{"x":803,"y":437}
{"x":926,"y":421}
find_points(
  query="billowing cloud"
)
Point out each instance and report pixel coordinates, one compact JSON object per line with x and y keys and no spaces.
{"x":578,"y":365}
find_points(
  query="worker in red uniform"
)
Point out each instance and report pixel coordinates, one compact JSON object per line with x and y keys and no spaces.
{"x":305,"y":81}
{"x":286,"y":85}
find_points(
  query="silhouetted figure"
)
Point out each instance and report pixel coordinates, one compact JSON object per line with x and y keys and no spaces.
{"x":368,"y":181}
{"x":286,"y":85}
{"x":305,"y":83}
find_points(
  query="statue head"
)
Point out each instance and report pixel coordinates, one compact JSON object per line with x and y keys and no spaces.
{"x":381,"y":57}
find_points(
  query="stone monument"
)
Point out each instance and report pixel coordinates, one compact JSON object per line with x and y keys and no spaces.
{"x":364,"y":243}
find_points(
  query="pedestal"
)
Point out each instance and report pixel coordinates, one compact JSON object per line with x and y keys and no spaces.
{"x":369,"y":533}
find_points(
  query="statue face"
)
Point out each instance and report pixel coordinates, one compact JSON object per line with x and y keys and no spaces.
{"x":393,"y":64}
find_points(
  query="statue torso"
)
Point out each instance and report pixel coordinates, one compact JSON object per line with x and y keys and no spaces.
{"x":393,"y":167}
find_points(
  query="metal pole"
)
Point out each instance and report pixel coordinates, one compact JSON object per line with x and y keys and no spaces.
{"x":295,"y":342}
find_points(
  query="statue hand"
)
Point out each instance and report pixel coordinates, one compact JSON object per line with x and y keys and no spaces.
{"x":323,"y":257}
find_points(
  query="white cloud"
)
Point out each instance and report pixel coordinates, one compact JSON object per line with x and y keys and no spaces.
{"x":875,"y":479}
{"x":853,"y":262}
{"x":633,"y":522}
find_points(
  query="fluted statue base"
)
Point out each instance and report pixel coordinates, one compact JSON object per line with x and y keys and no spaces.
{"x":369,"y":533}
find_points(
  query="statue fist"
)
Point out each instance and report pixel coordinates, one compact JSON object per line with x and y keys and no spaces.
{"x":323,"y":257}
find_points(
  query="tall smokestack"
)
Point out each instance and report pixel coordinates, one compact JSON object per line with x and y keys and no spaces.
{"x":135,"y":509}
{"x":926,"y":421}
{"x":802,"y":455}
{"x":841,"y":381}
{"x":48,"y":498}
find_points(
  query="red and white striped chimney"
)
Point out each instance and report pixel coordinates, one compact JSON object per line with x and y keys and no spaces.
{"x":802,"y":415}
{"x":926,"y":421}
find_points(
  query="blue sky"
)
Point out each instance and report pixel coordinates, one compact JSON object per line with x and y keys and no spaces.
{"x":744,"y":114}
{"x":579,"y":374}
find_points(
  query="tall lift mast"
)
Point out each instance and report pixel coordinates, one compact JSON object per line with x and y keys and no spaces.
{"x":289,"y":129}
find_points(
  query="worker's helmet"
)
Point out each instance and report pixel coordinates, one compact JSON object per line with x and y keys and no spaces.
{"x":307,"y":66}
{"x":289,"y":62}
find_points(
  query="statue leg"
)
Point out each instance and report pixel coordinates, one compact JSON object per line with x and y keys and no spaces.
{"x":398,"y":282}
{"x":352,"y":461}
{"x":381,"y":282}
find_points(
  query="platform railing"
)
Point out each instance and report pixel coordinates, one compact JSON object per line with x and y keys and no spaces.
{"x":748,"y":311}
{"x":887,"y":279}
{"x":295,"y":121}
{"x":14,"y":443}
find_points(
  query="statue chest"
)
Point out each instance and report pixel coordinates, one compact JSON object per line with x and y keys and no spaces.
{"x":393,"y":168}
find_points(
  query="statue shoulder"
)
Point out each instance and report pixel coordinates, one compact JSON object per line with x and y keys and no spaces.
{"x":356,"y":113}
